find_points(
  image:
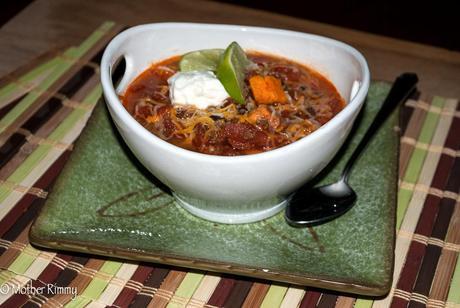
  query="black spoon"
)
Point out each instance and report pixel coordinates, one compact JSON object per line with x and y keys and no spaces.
{"x":314,"y":206}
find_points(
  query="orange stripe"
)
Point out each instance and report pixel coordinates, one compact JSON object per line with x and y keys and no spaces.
{"x":256,"y":295}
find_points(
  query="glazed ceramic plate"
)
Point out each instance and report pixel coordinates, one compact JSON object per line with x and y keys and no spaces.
{"x":106,"y":203}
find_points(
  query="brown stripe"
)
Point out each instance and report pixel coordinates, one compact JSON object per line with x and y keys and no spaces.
{"x":310,"y":299}
{"x":222,"y":291}
{"x":238,"y":293}
{"x":447,"y":261}
{"x":409,"y":272}
{"x":454,"y":179}
{"x":412,"y":131}
{"x":444,"y":216}
{"x":154,"y":281}
{"x":23,"y":221}
{"x":405,"y":113}
{"x":427,"y":216}
{"x":70,"y":273}
{"x":167,"y":288}
{"x":446,"y":162}
{"x":327,"y":300}
{"x":256,"y":295}
{"x":443,"y":276}
{"x":127,"y":295}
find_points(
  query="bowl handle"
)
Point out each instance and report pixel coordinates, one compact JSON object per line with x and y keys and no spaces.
{"x":112,"y":66}
{"x":125,"y":76}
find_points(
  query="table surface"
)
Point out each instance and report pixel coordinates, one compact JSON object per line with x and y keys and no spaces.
{"x":46,"y":24}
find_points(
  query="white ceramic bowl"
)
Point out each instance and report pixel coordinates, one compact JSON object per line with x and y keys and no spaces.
{"x":246,"y":188}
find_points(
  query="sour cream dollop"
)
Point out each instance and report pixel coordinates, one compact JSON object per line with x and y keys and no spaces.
{"x":201,"y":89}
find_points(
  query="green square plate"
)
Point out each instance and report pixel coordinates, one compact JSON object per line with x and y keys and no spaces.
{"x":106,"y":203}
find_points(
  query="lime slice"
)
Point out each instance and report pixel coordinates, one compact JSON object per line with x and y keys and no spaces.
{"x":231,"y":71}
{"x":200,"y":60}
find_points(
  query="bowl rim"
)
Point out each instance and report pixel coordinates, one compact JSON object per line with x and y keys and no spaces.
{"x":116,"y":105}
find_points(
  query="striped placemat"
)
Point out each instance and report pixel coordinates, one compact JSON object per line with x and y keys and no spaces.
{"x":43,"y":108}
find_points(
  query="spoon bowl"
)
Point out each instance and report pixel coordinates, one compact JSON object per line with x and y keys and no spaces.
{"x":324,"y":204}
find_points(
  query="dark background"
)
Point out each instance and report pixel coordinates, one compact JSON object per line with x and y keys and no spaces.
{"x":433,"y":22}
{"x":429,"y":22}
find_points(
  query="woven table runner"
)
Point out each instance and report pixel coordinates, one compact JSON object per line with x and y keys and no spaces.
{"x":45,"y":105}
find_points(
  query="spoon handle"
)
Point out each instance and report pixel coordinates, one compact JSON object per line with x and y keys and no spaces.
{"x":401,"y":89}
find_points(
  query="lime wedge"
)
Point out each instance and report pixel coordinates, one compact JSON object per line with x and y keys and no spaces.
{"x":200,"y":60}
{"x":231,"y":71}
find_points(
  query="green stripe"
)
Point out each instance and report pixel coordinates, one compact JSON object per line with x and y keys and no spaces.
{"x":98,"y":285}
{"x":78,"y":302}
{"x":24,"y":260}
{"x":6,"y":275}
{"x":454,"y":290}
{"x":110,"y":267}
{"x":187,"y":288}
{"x":363,"y":303}
{"x":427,"y":131}
{"x":28,"y":77}
{"x":417,"y":160}
{"x":61,"y":67}
{"x":404,"y":197}
{"x":418,"y":157}
{"x":41,"y":151}
{"x":95,"y":37}
{"x":95,"y":288}
{"x":274,"y":296}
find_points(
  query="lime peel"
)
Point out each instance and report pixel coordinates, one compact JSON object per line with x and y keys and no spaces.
{"x":201,"y":60}
{"x":231,"y":71}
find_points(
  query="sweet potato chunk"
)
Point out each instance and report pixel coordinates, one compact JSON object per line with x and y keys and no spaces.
{"x":267,"y":90}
